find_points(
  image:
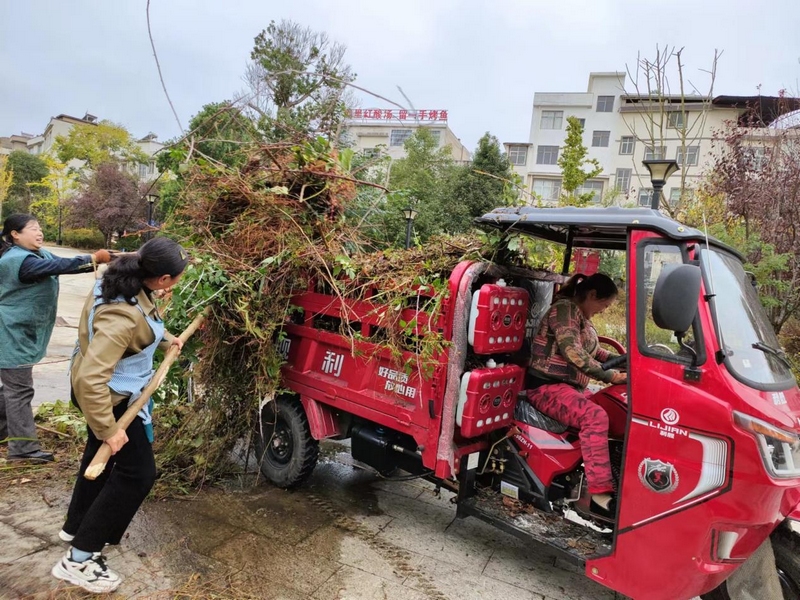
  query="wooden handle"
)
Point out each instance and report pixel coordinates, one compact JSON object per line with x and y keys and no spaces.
{"x":100,"y":460}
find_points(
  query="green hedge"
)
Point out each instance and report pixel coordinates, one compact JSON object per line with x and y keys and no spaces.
{"x":83,"y":239}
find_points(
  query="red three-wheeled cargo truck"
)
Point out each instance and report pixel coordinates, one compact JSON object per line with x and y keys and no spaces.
{"x":704,"y":437}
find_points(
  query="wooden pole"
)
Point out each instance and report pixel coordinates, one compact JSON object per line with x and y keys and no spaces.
{"x":100,"y":460}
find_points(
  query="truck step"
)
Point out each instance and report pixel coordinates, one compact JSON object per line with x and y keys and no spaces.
{"x":565,"y":539}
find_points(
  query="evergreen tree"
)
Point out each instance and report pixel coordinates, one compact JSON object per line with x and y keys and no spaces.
{"x":480,"y":186}
{"x":573,"y":161}
{"x":423,"y":180}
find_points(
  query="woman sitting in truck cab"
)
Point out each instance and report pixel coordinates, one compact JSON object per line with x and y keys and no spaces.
{"x":565,"y":354}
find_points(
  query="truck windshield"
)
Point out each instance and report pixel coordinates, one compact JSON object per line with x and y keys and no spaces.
{"x":748,"y":340}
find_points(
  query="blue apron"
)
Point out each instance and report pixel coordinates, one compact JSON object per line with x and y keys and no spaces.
{"x":134,"y":372}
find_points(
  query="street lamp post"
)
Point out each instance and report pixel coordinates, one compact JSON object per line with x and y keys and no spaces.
{"x":151,"y":200}
{"x":660,"y":170}
{"x":410,"y":214}
{"x":59,"y":241}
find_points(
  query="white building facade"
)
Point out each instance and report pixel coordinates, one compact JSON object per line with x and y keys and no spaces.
{"x":620,"y":130}
{"x":374,"y":130}
{"x":61,"y":125}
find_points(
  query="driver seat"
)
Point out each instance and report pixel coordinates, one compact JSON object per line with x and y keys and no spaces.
{"x":525,"y":412}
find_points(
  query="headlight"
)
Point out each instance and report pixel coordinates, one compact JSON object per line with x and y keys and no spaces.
{"x":779,"y":448}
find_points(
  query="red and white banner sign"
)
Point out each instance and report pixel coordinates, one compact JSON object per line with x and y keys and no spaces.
{"x":390,"y":114}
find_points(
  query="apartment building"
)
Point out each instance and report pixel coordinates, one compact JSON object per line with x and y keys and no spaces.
{"x":372,"y":129}
{"x":621,"y":130}
{"x":61,"y":125}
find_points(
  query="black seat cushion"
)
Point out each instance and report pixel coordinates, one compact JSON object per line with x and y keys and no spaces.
{"x":527,"y":413}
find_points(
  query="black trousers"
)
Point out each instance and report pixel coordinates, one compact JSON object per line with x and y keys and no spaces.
{"x":101,"y":510}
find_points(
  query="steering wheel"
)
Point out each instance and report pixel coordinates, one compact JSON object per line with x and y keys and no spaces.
{"x":662,"y":347}
{"x":618,"y":348}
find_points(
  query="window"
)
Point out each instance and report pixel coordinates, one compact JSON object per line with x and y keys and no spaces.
{"x":600,"y":139}
{"x":677,"y":194}
{"x":518,"y":155}
{"x":743,"y":324}
{"x":583,"y":123}
{"x":627,"y":143}
{"x":605,"y":103}
{"x":654,"y":260}
{"x":677,"y":120}
{"x":623,"y":179}
{"x":657,"y":153}
{"x":551,"y":119}
{"x":398,"y":137}
{"x":691,"y":158}
{"x":592,"y":187}
{"x":547,"y":155}
{"x":547,"y":189}
{"x":371,"y":152}
{"x":437,"y":135}
{"x":756,"y":157}
{"x":645,"y":197}
{"x":143,"y":170}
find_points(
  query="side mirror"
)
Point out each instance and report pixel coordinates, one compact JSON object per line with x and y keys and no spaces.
{"x":676,"y":296}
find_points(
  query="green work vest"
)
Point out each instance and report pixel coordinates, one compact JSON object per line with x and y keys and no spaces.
{"x":27,"y":311}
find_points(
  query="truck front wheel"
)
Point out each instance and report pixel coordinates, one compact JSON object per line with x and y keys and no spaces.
{"x":758,"y":584}
{"x":285,"y":450}
{"x":786,"y":545}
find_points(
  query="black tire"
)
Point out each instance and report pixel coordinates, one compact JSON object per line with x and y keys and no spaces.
{"x":786,"y":546}
{"x":285,"y":450}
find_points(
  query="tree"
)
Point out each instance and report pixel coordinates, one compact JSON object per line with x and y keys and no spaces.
{"x":572,"y":161}
{"x":53,"y":192}
{"x":481,"y":186}
{"x":5,"y":181}
{"x":757,"y":178}
{"x":423,"y":179}
{"x":28,"y":171}
{"x":110,"y":201}
{"x":297,"y":80}
{"x":664,"y":93}
{"x":97,"y":144}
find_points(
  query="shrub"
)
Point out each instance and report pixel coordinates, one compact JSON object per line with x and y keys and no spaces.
{"x":83,"y":239}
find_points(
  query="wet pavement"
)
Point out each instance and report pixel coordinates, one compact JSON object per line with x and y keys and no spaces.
{"x":345,"y":535}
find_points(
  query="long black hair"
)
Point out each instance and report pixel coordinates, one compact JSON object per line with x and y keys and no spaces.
{"x":16,"y":222}
{"x":579,"y":286}
{"x":126,"y":273}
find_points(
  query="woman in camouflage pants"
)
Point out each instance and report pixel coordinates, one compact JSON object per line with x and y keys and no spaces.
{"x":564,"y":356}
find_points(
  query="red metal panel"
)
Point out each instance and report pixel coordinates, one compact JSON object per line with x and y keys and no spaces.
{"x":321,"y":419}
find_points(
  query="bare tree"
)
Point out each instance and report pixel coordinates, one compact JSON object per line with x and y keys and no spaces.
{"x":663,"y":107}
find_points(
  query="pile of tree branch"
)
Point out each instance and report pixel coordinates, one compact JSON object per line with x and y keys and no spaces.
{"x":260,"y":235}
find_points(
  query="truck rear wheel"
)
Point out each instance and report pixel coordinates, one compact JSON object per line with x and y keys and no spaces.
{"x":285,"y":450}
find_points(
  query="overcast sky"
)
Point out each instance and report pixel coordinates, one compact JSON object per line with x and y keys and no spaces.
{"x":480,"y":60}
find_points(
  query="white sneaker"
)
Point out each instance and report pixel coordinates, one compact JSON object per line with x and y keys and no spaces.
{"x":92,"y":575}
{"x":65,"y":537}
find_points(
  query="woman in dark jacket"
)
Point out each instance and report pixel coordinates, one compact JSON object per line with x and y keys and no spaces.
{"x":28,"y":301}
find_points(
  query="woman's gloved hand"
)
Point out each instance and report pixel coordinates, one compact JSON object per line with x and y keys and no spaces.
{"x":101,"y":257}
{"x":618,"y":377}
